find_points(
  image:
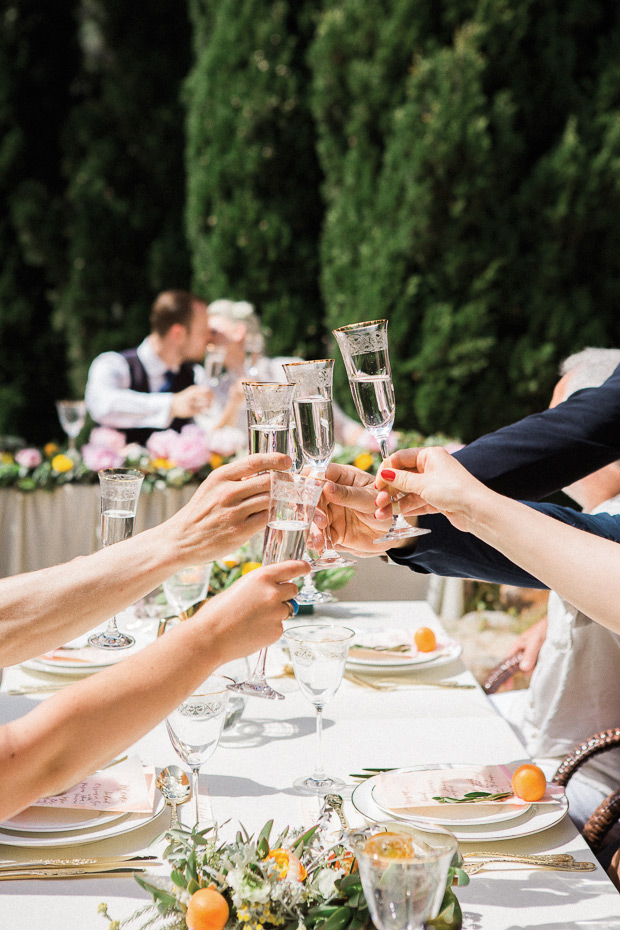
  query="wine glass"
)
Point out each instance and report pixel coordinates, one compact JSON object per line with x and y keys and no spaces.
{"x":403,"y":875}
{"x":268,"y":405}
{"x":364,"y":348}
{"x":215,"y":359}
{"x":196,"y":725}
{"x":72,"y":416}
{"x":318,"y":654}
{"x":120,"y":490}
{"x":292,"y":502}
{"x":188,"y":587}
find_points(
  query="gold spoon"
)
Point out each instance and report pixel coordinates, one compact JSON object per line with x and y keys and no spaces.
{"x":176,"y":789}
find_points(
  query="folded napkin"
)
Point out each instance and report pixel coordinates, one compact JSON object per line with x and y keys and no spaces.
{"x":412,"y":793}
{"x":126,"y":787}
{"x":394,"y":643}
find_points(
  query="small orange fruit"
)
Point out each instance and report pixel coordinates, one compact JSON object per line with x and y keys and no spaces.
{"x":529,"y":782}
{"x":425,"y":639}
{"x":207,"y":910}
{"x":390,"y":845}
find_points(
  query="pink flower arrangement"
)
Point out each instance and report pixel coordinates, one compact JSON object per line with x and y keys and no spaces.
{"x":96,"y":457}
{"x":107,"y":438}
{"x":188,"y":449}
{"x":28,"y":458}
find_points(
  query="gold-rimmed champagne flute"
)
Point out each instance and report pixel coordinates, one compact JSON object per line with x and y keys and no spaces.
{"x":120,"y":490}
{"x":268,"y":405}
{"x":364,"y":349}
{"x":292,"y":502}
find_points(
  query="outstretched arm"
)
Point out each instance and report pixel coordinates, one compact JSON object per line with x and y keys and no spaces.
{"x":41,"y":610}
{"x":76,"y":731}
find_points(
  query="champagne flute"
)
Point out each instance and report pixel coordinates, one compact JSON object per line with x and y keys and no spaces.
{"x":72,"y":416}
{"x":364,"y":349}
{"x":268,"y":405}
{"x":195,"y":727}
{"x":292,"y":502}
{"x":120,"y":490}
{"x":318,"y":654}
{"x":188,"y":587}
{"x":313,"y":406}
{"x":403,"y":875}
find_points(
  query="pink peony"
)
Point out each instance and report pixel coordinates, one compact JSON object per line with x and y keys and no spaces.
{"x":191,"y":450}
{"x":28,"y":458}
{"x":96,"y":457}
{"x":107,"y":438}
{"x":161,"y":444}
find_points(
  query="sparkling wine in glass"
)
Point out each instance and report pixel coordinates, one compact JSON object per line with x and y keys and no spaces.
{"x":318,"y":654}
{"x":292,"y":502}
{"x":72,"y":416}
{"x":120,"y":490}
{"x":195,"y":727}
{"x":313,"y":406}
{"x":268,"y":406}
{"x":364,"y":348}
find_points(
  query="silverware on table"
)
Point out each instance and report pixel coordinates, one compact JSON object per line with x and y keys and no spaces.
{"x":395,"y":682}
{"x":92,"y":871}
{"x":335,"y":802}
{"x":129,"y":859}
{"x":176,"y":789}
{"x":471,"y":868}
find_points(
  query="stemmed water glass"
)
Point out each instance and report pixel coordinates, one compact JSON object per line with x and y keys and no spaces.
{"x":318,"y":654}
{"x":72,"y":416}
{"x":188,"y":587}
{"x":403,"y":875}
{"x":364,"y":348}
{"x":120,"y":490}
{"x":268,"y":405}
{"x":292,"y":502}
{"x":196,"y":725}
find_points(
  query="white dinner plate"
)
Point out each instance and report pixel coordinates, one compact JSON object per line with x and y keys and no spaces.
{"x":373,"y":638}
{"x":448,"y":653}
{"x":535,"y":819}
{"x":57,"y":820}
{"x":452,"y":815}
{"x":125,"y":824}
{"x":75,"y":671}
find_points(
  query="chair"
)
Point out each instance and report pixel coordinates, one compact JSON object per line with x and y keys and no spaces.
{"x":606,"y":814}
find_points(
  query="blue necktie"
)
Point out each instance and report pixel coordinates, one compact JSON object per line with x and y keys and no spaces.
{"x":168,"y":382}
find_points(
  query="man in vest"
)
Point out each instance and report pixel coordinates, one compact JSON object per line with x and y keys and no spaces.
{"x":159,"y":385}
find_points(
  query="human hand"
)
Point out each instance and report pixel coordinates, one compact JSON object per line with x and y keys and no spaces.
{"x":230,"y":505}
{"x":434,"y":483}
{"x":249,"y":614}
{"x":529,"y":642}
{"x":348,"y":507}
{"x":193,"y":400}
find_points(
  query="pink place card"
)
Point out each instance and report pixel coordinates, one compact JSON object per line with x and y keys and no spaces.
{"x":126,"y":787}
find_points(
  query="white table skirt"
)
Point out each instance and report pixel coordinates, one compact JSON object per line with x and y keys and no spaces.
{"x":249,"y":780}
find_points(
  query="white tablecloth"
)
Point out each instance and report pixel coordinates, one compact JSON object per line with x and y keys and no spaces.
{"x":249,"y":780}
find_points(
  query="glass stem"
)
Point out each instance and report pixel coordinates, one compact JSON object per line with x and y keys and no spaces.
{"x":385,"y":455}
{"x":319,"y":768}
{"x":259,"y":669}
{"x":195,"y":772}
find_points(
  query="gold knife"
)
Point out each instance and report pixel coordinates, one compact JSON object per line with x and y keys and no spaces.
{"x":112,"y":869}
{"x":14,"y":865}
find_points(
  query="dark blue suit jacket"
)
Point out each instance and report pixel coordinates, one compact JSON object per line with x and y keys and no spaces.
{"x":528,"y":459}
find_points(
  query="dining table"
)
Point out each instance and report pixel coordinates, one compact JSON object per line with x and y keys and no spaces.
{"x":434,"y":713}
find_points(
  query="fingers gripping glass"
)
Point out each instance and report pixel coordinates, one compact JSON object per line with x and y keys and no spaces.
{"x":364,"y":349}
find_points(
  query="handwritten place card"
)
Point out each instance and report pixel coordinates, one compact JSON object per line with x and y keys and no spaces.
{"x":127,"y":787}
{"x":411,"y":792}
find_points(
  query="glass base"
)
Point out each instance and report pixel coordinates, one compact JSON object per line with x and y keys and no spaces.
{"x":256,"y":688}
{"x":107,"y":640}
{"x":320,"y":786}
{"x":331,"y":561}
{"x":314,"y":596}
{"x":401,"y":533}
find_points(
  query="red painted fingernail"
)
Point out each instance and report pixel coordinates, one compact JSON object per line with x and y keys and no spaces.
{"x":388,"y":474}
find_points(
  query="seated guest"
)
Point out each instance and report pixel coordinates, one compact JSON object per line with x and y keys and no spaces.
{"x":160,"y":384}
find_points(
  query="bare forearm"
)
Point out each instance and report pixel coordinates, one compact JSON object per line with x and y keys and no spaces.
{"x":40,"y":610}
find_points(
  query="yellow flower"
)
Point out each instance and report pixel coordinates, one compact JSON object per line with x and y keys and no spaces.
{"x":62,"y":463}
{"x":363,"y":461}
{"x":6,"y":458}
{"x":250,"y":566}
{"x":162,"y":463}
{"x":216,"y":460}
{"x":287,"y":864}
{"x":50,"y":449}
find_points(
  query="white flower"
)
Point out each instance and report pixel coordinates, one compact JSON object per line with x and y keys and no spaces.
{"x":324,"y":881}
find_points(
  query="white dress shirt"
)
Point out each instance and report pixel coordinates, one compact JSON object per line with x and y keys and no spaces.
{"x":111,"y":402}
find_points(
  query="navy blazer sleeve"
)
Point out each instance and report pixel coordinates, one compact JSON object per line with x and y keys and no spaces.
{"x":542,"y":453}
{"x":452,"y":553}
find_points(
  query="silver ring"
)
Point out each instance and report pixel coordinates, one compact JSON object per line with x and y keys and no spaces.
{"x":293,"y":608}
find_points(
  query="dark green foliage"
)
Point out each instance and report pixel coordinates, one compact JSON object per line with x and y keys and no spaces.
{"x":253,"y":208}
{"x":482,"y":216}
{"x":38,"y":58}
